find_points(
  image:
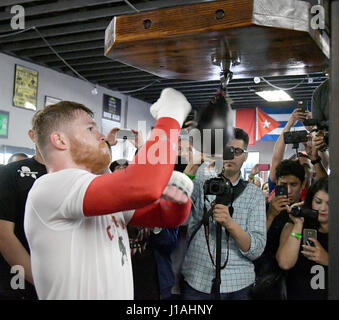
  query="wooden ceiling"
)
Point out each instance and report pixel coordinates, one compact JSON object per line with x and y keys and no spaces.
{"x":76,"y":31}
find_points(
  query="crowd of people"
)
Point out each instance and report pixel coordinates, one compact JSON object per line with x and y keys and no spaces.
{"x":83,"y":227}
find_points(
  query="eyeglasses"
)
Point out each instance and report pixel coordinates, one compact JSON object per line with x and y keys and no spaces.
{"x":238,"y":152}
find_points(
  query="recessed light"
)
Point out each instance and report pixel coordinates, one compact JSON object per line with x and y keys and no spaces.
{"x":274,"y":95}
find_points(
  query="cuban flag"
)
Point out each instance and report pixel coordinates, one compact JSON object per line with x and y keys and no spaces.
{"x":272,"y":121}
{"x":265,"y":123}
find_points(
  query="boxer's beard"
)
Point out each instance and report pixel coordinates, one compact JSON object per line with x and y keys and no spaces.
{"x":95,"y":159}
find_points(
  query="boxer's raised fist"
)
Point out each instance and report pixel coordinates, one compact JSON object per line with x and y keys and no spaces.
{"x":172,"y":104}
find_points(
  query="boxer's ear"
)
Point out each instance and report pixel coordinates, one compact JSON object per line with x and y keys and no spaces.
{"x":59,"y":140}
{"x":31,"y":135}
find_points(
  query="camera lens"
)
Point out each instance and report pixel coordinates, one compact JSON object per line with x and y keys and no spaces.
{"x":215,"y":188}
{"x":295,"y":212}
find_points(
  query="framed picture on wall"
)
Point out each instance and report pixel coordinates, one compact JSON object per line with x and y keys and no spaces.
{"x":111,"y":109}
{"x":25,"y":90}
{"x":51,"y":100}
{"x":4,"y":120}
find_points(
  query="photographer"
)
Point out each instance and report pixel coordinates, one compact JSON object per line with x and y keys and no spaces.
{"x":291,"y":174}
{"x":270,"y":279}
{"x":320,"y":101}
{"x":317,"y":153}
{"x":280,"y":146}
{"x":246,"y":229}
{"x":298,"y":258}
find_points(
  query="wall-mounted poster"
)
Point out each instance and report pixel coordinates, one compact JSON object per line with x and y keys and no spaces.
{"x":111,"y":108}
{"x":25,"y":88}
{"x":4,"y":119}
{"x":51,"y":100}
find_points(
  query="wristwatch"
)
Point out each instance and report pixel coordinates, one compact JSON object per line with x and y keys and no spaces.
{"x":156,"y":230}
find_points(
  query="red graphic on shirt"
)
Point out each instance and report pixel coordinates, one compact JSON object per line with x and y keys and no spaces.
{"x":115,"y":224}
{"x":109,"y":233}
{"x":139,"y":242}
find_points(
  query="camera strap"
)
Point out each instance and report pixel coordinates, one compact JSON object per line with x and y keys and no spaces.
{"x":237,"y":190}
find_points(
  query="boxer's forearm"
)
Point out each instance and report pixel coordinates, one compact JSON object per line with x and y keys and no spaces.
{"x":163,"y":214}
{"x":141,"y":183}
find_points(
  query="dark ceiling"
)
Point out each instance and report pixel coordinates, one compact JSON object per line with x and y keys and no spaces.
{"x":76,"y":30}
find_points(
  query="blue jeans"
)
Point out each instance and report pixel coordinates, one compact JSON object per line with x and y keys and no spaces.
{"x":192,"y":294}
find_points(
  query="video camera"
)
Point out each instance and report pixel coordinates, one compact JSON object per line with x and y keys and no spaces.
{"x":295,"y":137}
{"x":320,"y":125}
{"x":300,"y":212}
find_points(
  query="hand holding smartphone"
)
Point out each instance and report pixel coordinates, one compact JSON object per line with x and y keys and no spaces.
{"x":124,"y":134}
{"x":263,"y":167}
{"x":307,"y":234}
{"x":302,"y":106}
{"x":281,"y":190}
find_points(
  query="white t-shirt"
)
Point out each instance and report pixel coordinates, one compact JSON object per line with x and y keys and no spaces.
{"x":73,"y":256}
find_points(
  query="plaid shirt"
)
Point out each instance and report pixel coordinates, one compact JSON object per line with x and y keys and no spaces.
{"x":250,"y":214}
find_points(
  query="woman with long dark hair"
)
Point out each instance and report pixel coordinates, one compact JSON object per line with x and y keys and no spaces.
{"x":307,"y":262}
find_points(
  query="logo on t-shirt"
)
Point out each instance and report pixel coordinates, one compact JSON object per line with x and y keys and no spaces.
{"x":122,"y":249}
{"x":26,"y":172}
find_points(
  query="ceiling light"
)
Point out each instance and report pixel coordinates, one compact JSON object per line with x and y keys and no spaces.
{"x":274,"y":95}
{"x":94,"y":91}
{"x":256,"y":80}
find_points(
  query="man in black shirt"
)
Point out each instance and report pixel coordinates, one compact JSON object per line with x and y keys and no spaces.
{"x":17,"y":157}
{"x":16,"y":179}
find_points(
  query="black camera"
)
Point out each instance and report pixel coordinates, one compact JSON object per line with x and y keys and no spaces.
{"x":299,"y":212}
{"x":295,"y":137}
{"x":220,"y":187}
{"x":326,"y":138}
{"x":321,"y":125}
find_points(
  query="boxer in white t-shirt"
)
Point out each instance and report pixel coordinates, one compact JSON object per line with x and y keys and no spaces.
{"x":76,"y":220}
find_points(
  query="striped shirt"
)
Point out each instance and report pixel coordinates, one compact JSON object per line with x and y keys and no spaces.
{"x":250,"y":214}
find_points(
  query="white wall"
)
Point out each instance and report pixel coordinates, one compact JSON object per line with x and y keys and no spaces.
{"x":138,"y":110}
{"x":62,"y":86}
{"x":266,"y":150}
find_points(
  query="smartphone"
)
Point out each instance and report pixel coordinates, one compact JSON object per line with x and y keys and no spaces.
{"x":263,"y":167}
{"x":281,"y":190}
{"x":228,"y":153}
{"x":302,"y":106}
{"x":309,"y":233}
{"x":124,"y":134}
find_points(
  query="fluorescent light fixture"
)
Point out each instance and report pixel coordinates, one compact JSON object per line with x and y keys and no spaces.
{"x":274,"y":95}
